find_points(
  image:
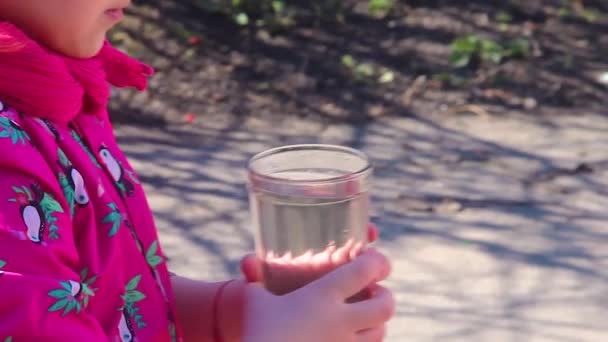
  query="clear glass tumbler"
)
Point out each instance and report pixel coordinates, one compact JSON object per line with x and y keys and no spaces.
{"x":309,"y":205}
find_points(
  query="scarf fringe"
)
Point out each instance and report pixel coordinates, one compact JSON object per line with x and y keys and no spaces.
{"x":42,"y":83}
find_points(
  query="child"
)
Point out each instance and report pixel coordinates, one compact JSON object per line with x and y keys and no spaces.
{"x":79,"y":255}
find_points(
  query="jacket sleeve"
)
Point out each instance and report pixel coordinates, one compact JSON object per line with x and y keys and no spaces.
{"x":42,"y":295}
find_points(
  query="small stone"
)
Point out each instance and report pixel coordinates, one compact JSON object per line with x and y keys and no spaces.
{"x":482,"y":20}
{"x":448,"y":207}
{"x":376,"y":111}
{"x":603,"y":78}
{"x":530,"y":103}
{"x":414,"y":205}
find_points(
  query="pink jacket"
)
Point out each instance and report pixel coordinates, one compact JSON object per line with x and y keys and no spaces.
{"x":79,"y":253}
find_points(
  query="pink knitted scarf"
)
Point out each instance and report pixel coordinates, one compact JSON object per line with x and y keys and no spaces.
{"x":43,"y":83}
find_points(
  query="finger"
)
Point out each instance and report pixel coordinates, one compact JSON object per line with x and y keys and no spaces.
{"x":340,"y":256}
{"x":371,"y":335}
{"x":373,"y":312}
{"x":251,"y":268}
{"x":321,"y":262}
{"x":356,"y":250}
{"x":356,"y":275}
{"x":372,"y":232}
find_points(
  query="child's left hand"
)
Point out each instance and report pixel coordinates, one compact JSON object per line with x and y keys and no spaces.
{"x":251,"y":269}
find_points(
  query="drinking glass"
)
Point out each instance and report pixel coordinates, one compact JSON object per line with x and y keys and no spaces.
{"x":309,"y":205}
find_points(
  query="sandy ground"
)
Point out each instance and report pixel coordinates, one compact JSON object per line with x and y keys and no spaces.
{"x":496,"y":225}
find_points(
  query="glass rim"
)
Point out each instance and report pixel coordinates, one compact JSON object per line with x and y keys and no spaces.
{"x":303,"y":147}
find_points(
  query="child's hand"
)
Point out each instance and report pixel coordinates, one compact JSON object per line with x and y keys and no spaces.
{"x":251,"y":267}
{"x":318,"y":312}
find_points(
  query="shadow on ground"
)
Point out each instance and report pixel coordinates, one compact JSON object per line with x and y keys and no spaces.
{"x":496,"y":230}
{"x":299,"y":71}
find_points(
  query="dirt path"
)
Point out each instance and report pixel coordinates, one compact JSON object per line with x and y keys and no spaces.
{"x":362,"y":67}
{"x":496,"y":225}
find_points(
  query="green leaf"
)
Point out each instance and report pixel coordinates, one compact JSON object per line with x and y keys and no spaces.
{"x":152,"y":250}
{"x":49,"y":204}
{"x":71,"y":305}
{"x":115,"y":218}
{"x":63,"y":159}
{"x":4,"y":134}
{"x":28,"y":192}
{"x":459,"y":59}
{"x":85,"y":301}
{"x":278,"y":6}
{"x":84,"y":273}
{"x":68,"y":192}
{"x":365,"y":70}
{"x":466,"y":45}
{"x":387,"y":77}
{"x":518,"y":48}
{"x":87,"y":290}
{"x":23,"y":137}
{"x":591,"y":15}
{"x":91,"y":280}
{"x":2,"y":263}
{"x":491,"y":50}
{"x":348,"y":61}
{"x":114,"y":229}
{"x":130,"y":309}
{"x":376,"y":7}
{"x":53,"y":233}
{"x":66,"y":285}
{"x":121,"y":187}
{"x":154,"y":260}
{"x":112,"y":217}
{"x":242,"y":19}
{"x":133,"y":283}
{"x":59,"y":305}
{"x":59,"y":293}
{"x":9,"y":339}
{"x":504,"y":17}
{"x":17,"y":189}
{"x":133,"y":296}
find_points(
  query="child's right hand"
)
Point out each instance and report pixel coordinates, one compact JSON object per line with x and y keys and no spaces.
{"x":318,"y":312}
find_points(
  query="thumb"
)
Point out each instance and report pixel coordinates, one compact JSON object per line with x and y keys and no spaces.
{"x":349,"y":279}
{"x":251,"y":268}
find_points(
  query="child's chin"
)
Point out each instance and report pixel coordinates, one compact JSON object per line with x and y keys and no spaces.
{"x":84,"y":50}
